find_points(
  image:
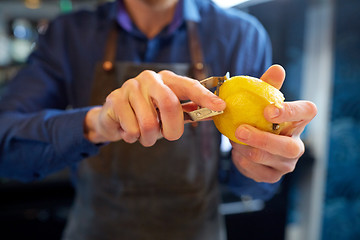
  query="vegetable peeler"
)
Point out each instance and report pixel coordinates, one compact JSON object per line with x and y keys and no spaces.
{"x":202,"y":113}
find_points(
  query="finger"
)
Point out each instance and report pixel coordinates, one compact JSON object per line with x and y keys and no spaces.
{"x":109,"y":129}
{"x":256,"y":155}
{"x":146,"y":116}
{"x":284,"y":146}
{"x":291,"y":112}
{"x":255,"y":171}
{"x":166,"y":101}
{"x":275,"y":76}
{"x":171,"y":114}
{"x":123,"y":115}
{"x":189,"y":106}
{"x":189,"y":89}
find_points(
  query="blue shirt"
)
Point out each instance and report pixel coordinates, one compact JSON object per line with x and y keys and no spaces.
{"x":43,"y":109}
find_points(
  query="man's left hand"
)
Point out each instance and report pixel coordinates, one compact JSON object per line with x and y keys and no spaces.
{"x":267,"y":156}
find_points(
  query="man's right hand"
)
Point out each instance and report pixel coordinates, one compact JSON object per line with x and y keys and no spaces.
{"x":146,"y":108}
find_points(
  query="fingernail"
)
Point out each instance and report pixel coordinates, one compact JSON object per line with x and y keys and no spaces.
{"x":274,"y":112}
{"x":218,"y":101}
{"x":243,"y":134}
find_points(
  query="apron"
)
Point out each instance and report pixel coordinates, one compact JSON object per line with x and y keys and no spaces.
{"x":168,"y":191}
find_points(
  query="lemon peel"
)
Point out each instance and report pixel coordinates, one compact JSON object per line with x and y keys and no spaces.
{"x":246,"y":98}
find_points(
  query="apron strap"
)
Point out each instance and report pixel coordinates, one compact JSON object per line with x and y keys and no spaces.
{"x":197,"y":59}
{"x":110,"y":49}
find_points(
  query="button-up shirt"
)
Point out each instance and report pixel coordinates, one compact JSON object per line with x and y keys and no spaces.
{"x":43,"y":108}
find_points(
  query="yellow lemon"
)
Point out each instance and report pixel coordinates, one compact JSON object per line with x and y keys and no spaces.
{"x":246,"y":98}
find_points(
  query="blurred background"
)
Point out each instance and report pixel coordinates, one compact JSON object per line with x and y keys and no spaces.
{"x":318,"y":43}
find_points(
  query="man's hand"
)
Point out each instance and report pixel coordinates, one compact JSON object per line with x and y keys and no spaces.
{"x":267,"y":157}
{"x":147,"y":107}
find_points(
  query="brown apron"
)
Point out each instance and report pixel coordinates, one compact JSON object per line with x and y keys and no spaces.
{"x":168,"y":191}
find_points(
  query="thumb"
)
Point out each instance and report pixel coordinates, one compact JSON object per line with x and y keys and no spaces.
{"x":275,"y":76}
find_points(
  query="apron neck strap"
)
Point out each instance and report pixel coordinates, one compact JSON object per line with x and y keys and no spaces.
{"x":197,"y":59}
{"x":110,"y":49}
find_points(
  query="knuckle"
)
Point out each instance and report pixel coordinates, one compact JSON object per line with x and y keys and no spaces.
{"x":312,"y":109}
{"x":116,"y":100}
{"x":263,"y":141}
{"x":272,"y":177}
{"x":149,"y":126}
{"x":258,"y":179}
{"x":121,"y":94}
{"x":239,"y":159}
{"x":110,"y":99}
{"x":147,"y":142}
{"x":295,"y":150}
{"x":168,"y":78}
{"x":170,"y":103}
{"x":150,"y":80}
{"x":147,"y":74}
{"x":131,"y":134}
{"x":289,"y":167}
{"x":113,"y":95}
{"x":194,"y":83}
{"x":148,"y":77}
{"x":166,"y":73}
{"x":242,"y":162}
{"x":290,"y":110}
{"x":256,"y":155}
{"x":131,"y":84}
{"x":173,"y":136}
{"x":128,"y":138}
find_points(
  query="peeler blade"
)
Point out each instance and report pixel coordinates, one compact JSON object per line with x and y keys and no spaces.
{"x":203,"y":113}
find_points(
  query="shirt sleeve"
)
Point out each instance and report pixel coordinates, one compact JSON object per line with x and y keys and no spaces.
{"x":257,"y":50}
{"x":40,"y":132}
{"x":253,"y":54}
{"x":34,"y":145}
{"x":244,"y":186}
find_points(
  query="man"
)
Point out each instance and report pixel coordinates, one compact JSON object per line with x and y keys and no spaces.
{"x":140,"y":173}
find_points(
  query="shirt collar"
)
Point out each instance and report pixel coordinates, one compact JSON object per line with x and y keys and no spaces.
{"x":186,"y":10}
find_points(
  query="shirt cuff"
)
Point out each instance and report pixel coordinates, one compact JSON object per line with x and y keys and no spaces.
{"x":69,"y":137}
{"x":244,"y":186}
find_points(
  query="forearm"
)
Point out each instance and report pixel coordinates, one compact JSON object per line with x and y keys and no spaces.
{"x":37,"y":144}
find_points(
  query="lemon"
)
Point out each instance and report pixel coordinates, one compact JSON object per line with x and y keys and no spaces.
{"x":246,"y":98}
